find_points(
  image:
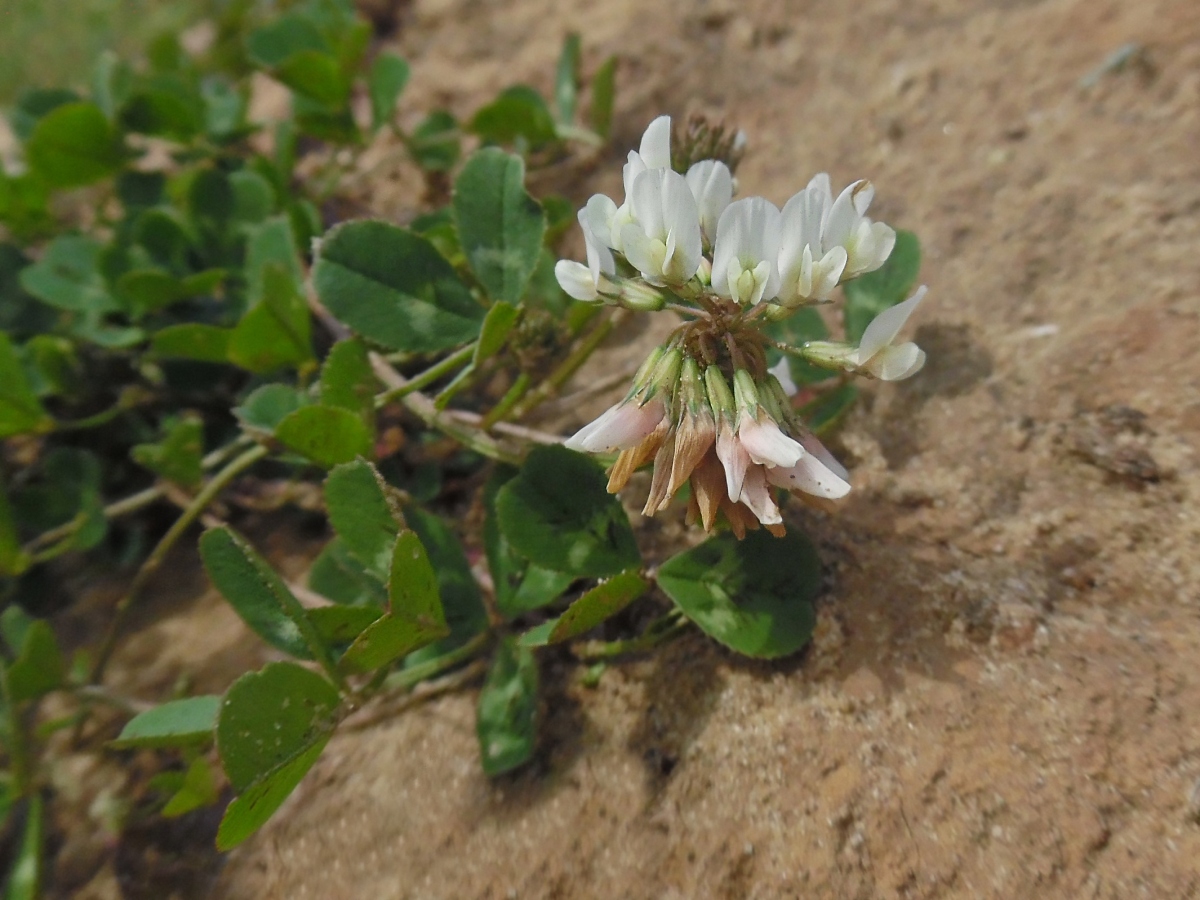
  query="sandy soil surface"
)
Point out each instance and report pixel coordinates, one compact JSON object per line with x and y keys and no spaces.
{"x":1002,"y":697}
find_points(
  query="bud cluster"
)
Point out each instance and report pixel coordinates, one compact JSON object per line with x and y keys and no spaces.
{"x":704,"y":406}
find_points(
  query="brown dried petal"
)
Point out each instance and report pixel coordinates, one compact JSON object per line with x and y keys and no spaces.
{"x":634,"y":458}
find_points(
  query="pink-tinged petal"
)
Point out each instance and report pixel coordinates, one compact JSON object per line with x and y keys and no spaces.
{"x":734,"y":458}
{"x":810,"y":443}
{"x":757,"y":496}
{"x":885,"y":326}
{"x":766,"y":444}
{"x":810,"y":476}
{"x":655,"y":148}
{"x":619,"y":428}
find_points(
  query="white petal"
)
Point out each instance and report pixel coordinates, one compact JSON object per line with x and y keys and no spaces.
{"x":639,"y":251}
{"x":655,"y":149}
{"x":897,"y":363}
{"x":599,"y":257}
{"x":862,"y":197}
{"x":783,"y":373}
{"x":885,"y":326}
{"x":634,"y":166}
{"x":598,"y":215}
{"x":712,"y":186}
{"x":822,"y":187}
{"x":810,"y":476}
{"x":828,"y":272}
{"x":748,"y":232}
{"x":757,"y":496}
{"x":682,"y":222}
{"x":767,"y":445}
{"x":843,"y":216}
{"x":576,"y":279}
{"x":646,"y":203}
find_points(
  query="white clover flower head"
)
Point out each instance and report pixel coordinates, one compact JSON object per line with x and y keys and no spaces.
{"x":663,"y":240}
{"x":744,"y":255}
{"x":712,"y":186}
{"x":730,"y":269}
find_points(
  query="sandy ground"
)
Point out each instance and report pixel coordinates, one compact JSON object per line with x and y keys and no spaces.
{"x":1002,"y":697}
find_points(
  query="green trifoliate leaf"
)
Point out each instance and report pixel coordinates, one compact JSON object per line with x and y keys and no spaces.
{"x":415,"y":617}
{"x":604,"y":88}
{"x":519,"y":113}
{"x":436,"y":144}
{"x":499,"y":224}
{"x":602,"y":602}
{"x":389,"y":75}
{"x":566,"y":80}
{"x":258,"y":594}
{"x":269,"y":405}
{"x":328,"y":435}
{"x":177,"y":457}
{"x":394,"y":288}
{"x":20,"y":410}
{"x":73,"y":145}
{"x":507,"y":718}
{"x":33,"y":104}
{"x":364,"y":514}
{"x":277,"y":331}
{"x":68,"y":277}
{"x":520,"y":585}
{"x":177,"y":723}
{"x":197,"y":789}
{"x":13,"y":560}
{"x":754,"y":596}
{"x":496,"y":327}
{"x":348,"y":382}
{"x":272,"y":727}
{"x":340,"y":577}
{"x":461,"y":601}
{"x":38,"y":666}
{"x":559,"y":514}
